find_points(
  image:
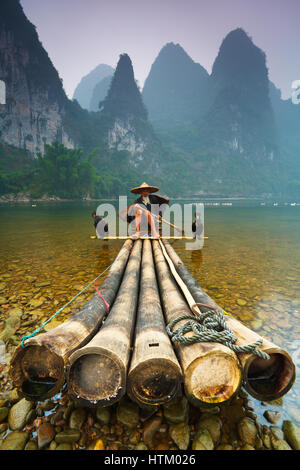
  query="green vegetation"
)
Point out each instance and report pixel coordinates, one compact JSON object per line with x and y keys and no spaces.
{"x":67,"y":173}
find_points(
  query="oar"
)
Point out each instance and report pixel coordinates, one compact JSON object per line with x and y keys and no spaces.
{"x":164,"y":220}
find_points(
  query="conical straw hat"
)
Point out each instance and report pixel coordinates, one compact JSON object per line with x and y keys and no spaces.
{"x":144,"y":185}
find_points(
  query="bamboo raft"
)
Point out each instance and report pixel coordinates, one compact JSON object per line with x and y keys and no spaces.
{"x":99,"y":355}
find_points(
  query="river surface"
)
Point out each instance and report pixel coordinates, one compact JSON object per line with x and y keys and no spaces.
{"x":250,"y":265}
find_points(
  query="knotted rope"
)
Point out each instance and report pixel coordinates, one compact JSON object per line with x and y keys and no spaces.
{"x":211,"y":326}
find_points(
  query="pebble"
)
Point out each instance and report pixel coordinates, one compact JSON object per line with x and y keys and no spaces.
{"x":128,"y":413}
{"x":247,"y":447}
{"x":177,"y":411}
{"x":18,"y":414}
{"x":77,"y":418}
{"x":3,"y":414}
{"x":279,"y":444}
{"x":150,"y":428}
{"x":15,"y":441}
{"x":272,"y":416}
{"x":212,"y":424}
{"x":247,"y":431}
{"x":45,"y":434}
{"x":291,"y":434}
{"x":64,"y":446}
{"x":68,"y":436}
{"x":224,"y":447}
{"x":103,"y":415}
{"x":180,"y":433}
{"x":141,"y":446}
{"x":277,"y":432}
{"x":202,"y":440}
{"x":31,"y":445}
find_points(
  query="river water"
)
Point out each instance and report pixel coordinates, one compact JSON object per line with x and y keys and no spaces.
{"x":250,"y":265}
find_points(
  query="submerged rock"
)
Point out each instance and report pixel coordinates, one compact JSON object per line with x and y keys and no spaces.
{"x":77,"y":418}
{"x":247,"y":431}
{"x":103,"y":415}
{"x":291,"y":434}
{"x":212,"y":424}
{"x":3,"y":414}
{"x":45,"y":434}
{"x":128,"y":413}
{"x":177,"y":411}
{"x":15,"y":441}
{"x":68,"y":436}
{"x":272,"y":416}
{"x":18,"y":414}
{"x":180,"y":433}
{"x":202,"y":440}
{"x":150,"y":428}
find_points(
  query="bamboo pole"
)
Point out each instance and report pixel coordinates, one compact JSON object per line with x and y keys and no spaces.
{"x":38,"y":370}
{"x":122,"y":237}
{"x":263,"y":379}
{"x":155,"y":374}
{"x":97,"y":372}
{"x":212,"y":373}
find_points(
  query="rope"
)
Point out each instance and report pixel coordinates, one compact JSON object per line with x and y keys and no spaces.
{"x":211,"y":326}
{"x":101,"y":297}
{"x":37,"y":330}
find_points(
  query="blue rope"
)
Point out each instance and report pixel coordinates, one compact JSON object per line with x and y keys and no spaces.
{"x":35,"y":332}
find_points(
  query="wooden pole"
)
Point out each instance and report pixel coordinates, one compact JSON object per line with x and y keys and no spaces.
{"x":38,"y":370}
{"x":263,"y":379}
{"x":97,"y":372}
{"x":155,"y":374}
{"x":212,"y":373}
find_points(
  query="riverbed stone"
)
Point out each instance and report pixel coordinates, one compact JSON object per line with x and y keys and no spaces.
{"x":291,"y":434}
{"x":15,"y":441}
{"x":266,"y":437}
{"x":202,"y":440}
{"x":247,"y":431}
{"x":18,"y":413}
{"x":128,"y":413}
{"x":45,"y":434}
{"x":68,"y":436}
{"x":31,"y":445}
{"x":279,"y":444}
{"x":150,"y":428}
{"x":77,"y":418}
{"x":180,"y":433}
{"x":224,"y":447}
{"x":3,"y":414}
{"x":141,"y":446}
{"x":212,"y":424}
{"x":64,"y":446}
{"x":277,"y":432}
{"x":272,"y":416}
{"x":177,"y":411}
{"x":247,"y":447}
{"x":35,"y":303}
{"x":103,"y":415}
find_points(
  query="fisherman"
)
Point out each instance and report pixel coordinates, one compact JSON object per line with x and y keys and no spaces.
{"x":146,"y":211}
{"x":100,"y":225}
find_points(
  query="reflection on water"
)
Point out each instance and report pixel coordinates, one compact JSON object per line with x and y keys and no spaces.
{"x":250,"y":265}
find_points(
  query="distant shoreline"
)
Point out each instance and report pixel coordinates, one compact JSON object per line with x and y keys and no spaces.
{"x":24,"y":198}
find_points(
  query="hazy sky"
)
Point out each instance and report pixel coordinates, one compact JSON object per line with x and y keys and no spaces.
{"x":80,"y":34}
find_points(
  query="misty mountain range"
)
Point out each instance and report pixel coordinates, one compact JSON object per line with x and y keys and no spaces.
{"x":227,"y":133}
